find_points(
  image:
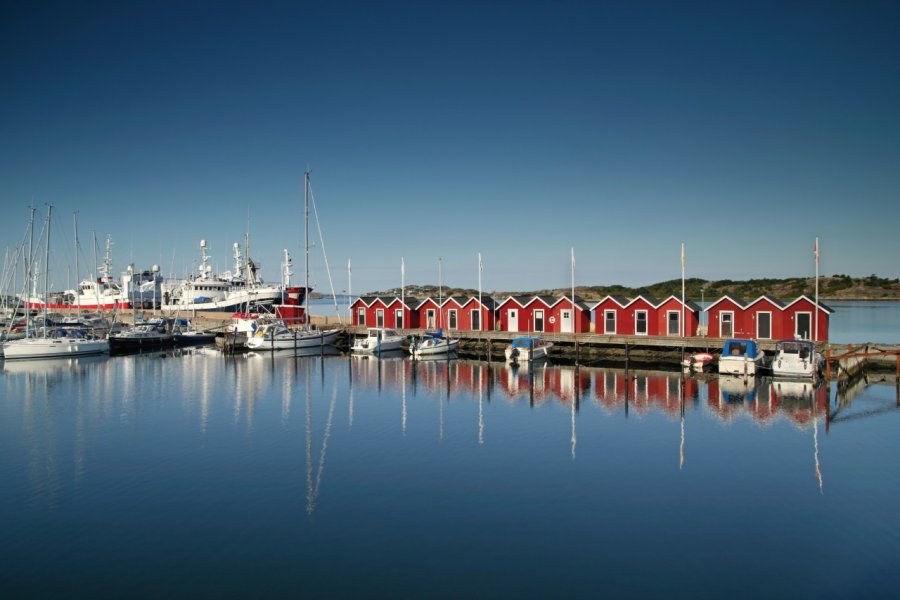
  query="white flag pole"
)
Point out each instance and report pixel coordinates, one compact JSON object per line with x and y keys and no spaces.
{"x":480,"y":306}
{"x":683,"y":299}
{"x":816,"y":319}
{"x":402,"y":289}
{"x":349,"y":290}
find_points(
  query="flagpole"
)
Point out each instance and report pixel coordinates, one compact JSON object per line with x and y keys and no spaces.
{"x":349,"y":291}
{"x":574,"y":314}
{"x":816,"y":319}
{"x":440,"y":293}
{"x":480,"y":307}
{"x":683,"y":299}
{"x":402,"y":289}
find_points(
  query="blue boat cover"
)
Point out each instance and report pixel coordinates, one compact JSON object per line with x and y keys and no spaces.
{"x":740,"y":348}
{"x":435,"y":334}
{"x":526,"y":342}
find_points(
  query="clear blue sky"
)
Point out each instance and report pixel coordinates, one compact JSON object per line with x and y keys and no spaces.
{"x":517,"y":130}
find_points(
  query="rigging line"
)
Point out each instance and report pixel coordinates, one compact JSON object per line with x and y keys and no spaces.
{"x":325,"y":437}
{"x":337,"y":310}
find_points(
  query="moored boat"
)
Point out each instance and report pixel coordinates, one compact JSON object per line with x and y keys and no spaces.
{"x":741,"y":357}
{"x":796,"y":358}
{"x":433,"y":343}
{"x":152,"y":335}
{"x":278,"y":336}
{"x":698,"y":361}
{"x":527,"y":348}
{"x":377,"y":340}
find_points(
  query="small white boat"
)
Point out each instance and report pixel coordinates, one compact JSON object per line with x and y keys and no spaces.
{"x":698,"y":361}
{"x":277,"y":336}
{"x":741,"y":357}
{"x":433,"y":344}
{"x":378,"y":340}
{"x":796,"y":358}
{"x":524,"y":349}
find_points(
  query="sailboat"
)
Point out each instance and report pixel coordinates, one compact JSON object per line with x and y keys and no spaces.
{"x":277,"y":335}
{"x":54,"y":342}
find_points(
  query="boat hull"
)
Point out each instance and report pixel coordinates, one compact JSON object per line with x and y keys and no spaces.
{"x":434,"y":347}
{"x":53,"y":348}
{"x":296,"y":340}
{"x":740,"y":365}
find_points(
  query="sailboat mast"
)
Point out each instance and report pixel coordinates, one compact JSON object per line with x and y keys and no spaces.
{"x":47,"y":268}
{"x":306,"y":246}
{"x":77,"y":282}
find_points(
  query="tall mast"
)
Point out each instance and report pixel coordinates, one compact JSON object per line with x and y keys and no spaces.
{"x":306,"y":246}
{"x":47,"y":269}
{"x":77,"y":282}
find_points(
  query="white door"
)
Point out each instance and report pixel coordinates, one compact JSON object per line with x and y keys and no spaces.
{"x":429,"y":319}
{"x":565,"y":321}
{"x":513,"y":320}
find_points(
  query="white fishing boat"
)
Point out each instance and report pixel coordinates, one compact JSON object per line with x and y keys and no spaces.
{"x":104,"y":292}
{"x":378,"y":340}
{"x":242,"y":288}
{"x":796,"y":358}
{"x":433,"y":344}
{"x":527,"y":348}
{"x":741,"y":357}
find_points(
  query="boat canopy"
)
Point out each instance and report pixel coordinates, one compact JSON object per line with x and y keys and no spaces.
{"x":803,"y":348}
{"x":740,"y":348}
{"x":526,"y":342}
{"x":435,"y":334}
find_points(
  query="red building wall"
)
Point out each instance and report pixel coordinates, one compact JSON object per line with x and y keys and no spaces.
{"x":599,"y":311}
{"x":582,"y":317}
{"x":691,"y":318}
{"x":741,"y":327}
{"x":627,"y":324}
{"x":803,"y":304}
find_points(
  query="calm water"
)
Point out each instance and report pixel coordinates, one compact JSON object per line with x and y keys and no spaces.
{"x":196,"y":474}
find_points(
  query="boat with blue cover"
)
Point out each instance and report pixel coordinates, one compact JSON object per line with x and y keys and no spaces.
{"x":741,"y":357}
{"x":527,"y":348}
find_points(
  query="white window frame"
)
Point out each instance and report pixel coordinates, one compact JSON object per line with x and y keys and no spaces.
{"x":797,"y":324}
{"x":669,"y":314}
{"x":722,"y":320}
{"x":615,"y":321}
{"x":452,"y":322}
{"x":398,"y":318}
{"x":379,"y":317}
{"x":361,"y":316}
{"x":646,"y":322}
{"x":538,"y":315}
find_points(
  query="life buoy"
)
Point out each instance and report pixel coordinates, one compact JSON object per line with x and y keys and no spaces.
{"x":552,"y":320}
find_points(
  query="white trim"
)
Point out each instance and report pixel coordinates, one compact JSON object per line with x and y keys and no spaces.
{"x":797,"y":322}
{"x":677,"y":314}
{"x":759,"y":334}
{"x":534,"y":320}
{"x":474,"y":314}
{"x":379,"y":317}
{"x":398,"y":319}
{"x":615,"y":319}
{"x":452,"y":319}
{"x":646,"y":322}
{"x":722,"y":314}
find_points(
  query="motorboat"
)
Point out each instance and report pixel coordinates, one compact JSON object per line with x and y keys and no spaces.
{"x":741,"y":357}
{"x":378,"y":340}
{"x":278,"y":336}
{"x":433,"y":343}
{"x":698,"y":361}
{"x":185,"y":334}
{"x":796,"y":358}
{"x":151,"y":335}
{"x":523,"y":349}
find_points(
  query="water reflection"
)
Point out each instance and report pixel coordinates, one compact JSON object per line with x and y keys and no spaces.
{"x":64,"y":404}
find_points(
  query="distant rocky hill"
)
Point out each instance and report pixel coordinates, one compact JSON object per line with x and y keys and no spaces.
{"x":833,"y":287}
